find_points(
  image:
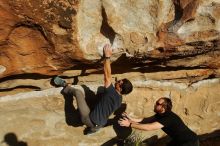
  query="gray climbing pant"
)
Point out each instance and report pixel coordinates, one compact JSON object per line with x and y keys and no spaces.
{"x":83,"y":107}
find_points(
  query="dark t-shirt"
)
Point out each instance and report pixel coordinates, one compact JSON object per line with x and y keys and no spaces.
{"x":175,"y":128}
{"x":110,"y":102}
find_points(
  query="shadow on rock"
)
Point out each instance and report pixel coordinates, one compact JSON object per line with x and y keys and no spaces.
{"x":121,"y":132}
{"x":209,"y":139}
{"x":12,"y":140}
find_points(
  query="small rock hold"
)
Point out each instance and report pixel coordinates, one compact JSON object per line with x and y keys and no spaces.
{"x":2,"y":69}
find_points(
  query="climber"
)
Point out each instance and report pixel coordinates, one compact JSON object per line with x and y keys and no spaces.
{"x":164,"y":118}
{"x":110,"y":101}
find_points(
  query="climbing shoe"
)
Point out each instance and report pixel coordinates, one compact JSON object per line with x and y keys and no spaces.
{"x":59,"y":82}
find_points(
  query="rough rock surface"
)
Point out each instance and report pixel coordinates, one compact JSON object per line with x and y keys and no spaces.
{"x":165,"y":47}
{"x":47,"y":118}
{"x":48,"y":37}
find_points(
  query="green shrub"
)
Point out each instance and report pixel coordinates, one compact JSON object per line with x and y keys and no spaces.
{"x":135,"y":139}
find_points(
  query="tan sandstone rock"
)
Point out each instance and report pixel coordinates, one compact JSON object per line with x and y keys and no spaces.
{"x":165,"y":47}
